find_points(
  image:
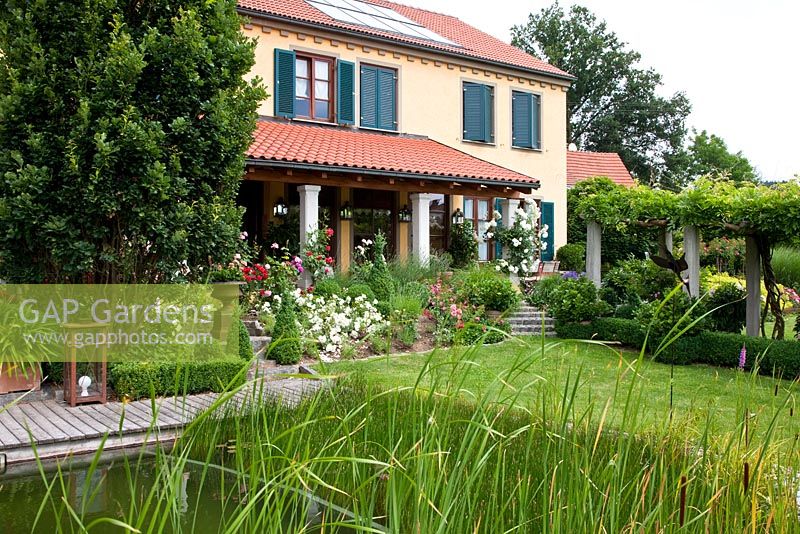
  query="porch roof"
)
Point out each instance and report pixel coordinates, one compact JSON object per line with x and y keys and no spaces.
{"x":327,"y":148}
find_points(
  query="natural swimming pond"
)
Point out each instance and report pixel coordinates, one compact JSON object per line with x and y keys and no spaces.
{"x":146,"y":493}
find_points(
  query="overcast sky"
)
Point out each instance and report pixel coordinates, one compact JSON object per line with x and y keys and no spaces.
{"x":737,"y":61}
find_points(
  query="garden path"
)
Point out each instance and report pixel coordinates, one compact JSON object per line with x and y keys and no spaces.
{"x":57,"y":430}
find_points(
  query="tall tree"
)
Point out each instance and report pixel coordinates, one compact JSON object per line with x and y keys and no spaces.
{"x":709,"y":155}
{"x":613,"y":105}
{"x":123,"y":127}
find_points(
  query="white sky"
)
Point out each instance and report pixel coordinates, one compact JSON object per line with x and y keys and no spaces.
{"x":737,"y":61}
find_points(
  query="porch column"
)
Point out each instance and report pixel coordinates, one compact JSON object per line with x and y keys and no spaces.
{"x":594,"y":236}
{"x":344,"y":237}
{"x":421,"y":225}
{"x":509,"y":207}
{"x":402,"y":238}
{"x":691,"y":247}
{"x":309,"y":222}
{"x":752,"y":271}
{"x":309,"y":211}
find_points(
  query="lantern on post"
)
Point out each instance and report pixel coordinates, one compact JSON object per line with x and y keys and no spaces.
{"x":458,"y":217}
{"x":84,"y":382}
{"x":404,"y":215}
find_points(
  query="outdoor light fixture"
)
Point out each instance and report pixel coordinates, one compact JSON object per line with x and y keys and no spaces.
{"x":458,"y":217}
{"x":346,"y":212}
{"x":404,"y":215}
{"x":280,"y":209}
{"x":84,"y":383}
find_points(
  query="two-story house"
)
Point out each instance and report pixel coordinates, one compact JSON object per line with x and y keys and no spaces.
{"x":393,"y":118}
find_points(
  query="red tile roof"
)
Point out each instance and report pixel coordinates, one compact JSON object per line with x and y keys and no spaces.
{"x":353,"y":150}
{"x":473,"y":42}
{"x":583,"y":165}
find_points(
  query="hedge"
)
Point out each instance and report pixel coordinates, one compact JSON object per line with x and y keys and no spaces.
{"x":712,"y":348}
{"x":134,"y":379}
{"x":722,"y":349}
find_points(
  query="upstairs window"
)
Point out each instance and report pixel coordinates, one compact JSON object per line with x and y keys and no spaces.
{"x":378,"y":97}
{"x":478,"y":112}
{"x":313,"y":90}
{"x":307,"y":86}
{"x":526,"y":120}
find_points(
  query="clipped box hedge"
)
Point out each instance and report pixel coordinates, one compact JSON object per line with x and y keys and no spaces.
{"x":712,"y":348}
{"x":134,"y":379}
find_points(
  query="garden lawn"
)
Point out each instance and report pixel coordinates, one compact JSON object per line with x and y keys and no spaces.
{"x":703,"y":397}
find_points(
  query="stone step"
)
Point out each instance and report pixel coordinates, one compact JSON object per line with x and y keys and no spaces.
{"x":533,"y":331}
{"x":535,"y":317}
{"x":254,"y":328}
{"x":536,"y":320}
{"x":260,"y":345}
{"x":531,"y":322}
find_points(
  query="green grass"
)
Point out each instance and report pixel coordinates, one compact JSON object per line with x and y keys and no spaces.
{"x":788,"y":329}
{"x":699,"y":392}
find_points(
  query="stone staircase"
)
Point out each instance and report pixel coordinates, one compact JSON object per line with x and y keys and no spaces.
{"x":529,"y":321}
{"x":259,"y":341}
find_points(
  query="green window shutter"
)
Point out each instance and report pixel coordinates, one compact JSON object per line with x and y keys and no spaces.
{"x":478,"y":112}
{"x":536,"y":121}
{"x":284,"y":83}
{"x":345,"y":92}
{"x":521,"y":119}
{"x":369,"y":97}
{"x":387,"y":99}
{"x":474,"y":116}
{"x":488,"y":114}
{"x":549,"y":218}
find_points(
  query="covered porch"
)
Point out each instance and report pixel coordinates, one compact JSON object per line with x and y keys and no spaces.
{"x":410,"y":188}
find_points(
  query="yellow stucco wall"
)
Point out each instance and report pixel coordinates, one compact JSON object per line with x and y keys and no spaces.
{"x":429,"y":101}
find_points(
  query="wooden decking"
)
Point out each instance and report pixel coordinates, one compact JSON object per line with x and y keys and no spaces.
{"x":58,"y":430}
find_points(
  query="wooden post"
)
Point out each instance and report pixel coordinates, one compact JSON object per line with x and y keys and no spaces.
{"x":752,"y":270}
{"x":594,"y":235}
{"x":691,"y":247}
{"x":664,"y":242}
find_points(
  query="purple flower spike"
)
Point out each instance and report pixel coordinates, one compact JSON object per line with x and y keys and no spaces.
{"x":742,"y":357}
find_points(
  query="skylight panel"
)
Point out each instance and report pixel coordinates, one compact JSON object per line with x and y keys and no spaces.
{"x":376,"y":17}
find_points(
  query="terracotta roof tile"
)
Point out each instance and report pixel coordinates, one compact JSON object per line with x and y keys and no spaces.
{"x":583,"y":165}
{"x":291,"y":142}
{"x":473,"y":42}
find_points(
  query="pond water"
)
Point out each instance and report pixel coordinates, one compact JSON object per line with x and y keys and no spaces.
{"x":205,"y":498}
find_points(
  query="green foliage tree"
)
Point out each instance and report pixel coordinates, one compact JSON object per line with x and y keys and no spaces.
{"x":123,"y":127}
{"x":709,"y":155}
{"x":613,"y":104}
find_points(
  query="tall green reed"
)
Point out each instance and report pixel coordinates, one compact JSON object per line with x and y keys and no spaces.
{"x":437,"y":456}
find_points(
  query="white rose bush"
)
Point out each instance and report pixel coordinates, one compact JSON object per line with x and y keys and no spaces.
{"x":522,"y":242}
{"x":333,"y":321}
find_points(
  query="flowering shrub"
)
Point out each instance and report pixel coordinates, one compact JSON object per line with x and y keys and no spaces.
{"x":522,"y":242}
{"x":726,"y":254}
{"x":361,"y":264}
{"x":453,"y":315}
{"x":332,"y":321}
{"x":266,"y":282}
{"x":317,"y":254}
